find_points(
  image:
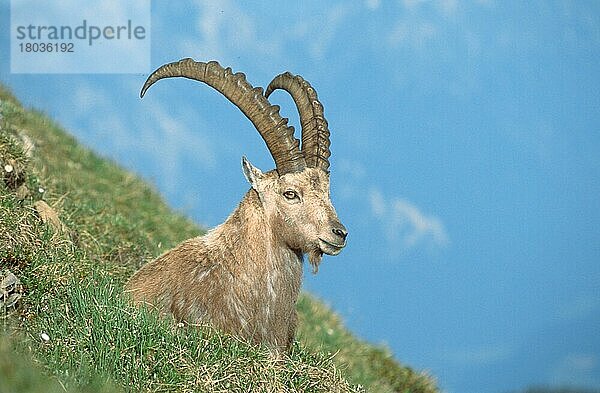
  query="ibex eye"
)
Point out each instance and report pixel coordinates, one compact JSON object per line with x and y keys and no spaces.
{"x":289,"y":194}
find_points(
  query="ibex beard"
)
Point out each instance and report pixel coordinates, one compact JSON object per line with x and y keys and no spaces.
{"x":244,"y":276}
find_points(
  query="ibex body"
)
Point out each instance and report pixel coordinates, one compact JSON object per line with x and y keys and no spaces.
{"x":244,"y":276}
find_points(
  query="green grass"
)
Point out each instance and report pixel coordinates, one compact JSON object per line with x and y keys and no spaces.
{"x":73,"y":275}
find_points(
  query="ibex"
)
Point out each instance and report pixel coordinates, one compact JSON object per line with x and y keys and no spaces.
{"x":243,"y":277}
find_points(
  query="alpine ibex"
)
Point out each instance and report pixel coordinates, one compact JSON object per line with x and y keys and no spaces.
{"x":244,"y":276}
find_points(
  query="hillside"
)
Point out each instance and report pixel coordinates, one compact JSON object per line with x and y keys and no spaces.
{"x":73,"y":228}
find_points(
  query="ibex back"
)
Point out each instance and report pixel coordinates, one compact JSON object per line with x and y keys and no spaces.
{"x":244,"y":276}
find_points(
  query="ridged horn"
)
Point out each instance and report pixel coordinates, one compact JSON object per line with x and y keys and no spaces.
{"x":315,"y":132}
{"x":274,"y":129}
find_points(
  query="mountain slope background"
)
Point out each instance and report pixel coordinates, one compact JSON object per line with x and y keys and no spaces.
{"x":73,"y":228}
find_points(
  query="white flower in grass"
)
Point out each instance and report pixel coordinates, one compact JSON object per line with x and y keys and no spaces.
{"x":45,"y":337}
{"x":41,"y":190}
{"x":8,"y":168}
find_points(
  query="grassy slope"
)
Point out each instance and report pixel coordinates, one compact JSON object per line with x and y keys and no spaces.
{"x":73,"y":277}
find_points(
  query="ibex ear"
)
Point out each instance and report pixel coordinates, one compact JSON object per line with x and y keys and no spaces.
{"x":252,"y":173}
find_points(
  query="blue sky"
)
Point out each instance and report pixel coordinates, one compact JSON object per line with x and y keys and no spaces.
{"x":465,"y":141}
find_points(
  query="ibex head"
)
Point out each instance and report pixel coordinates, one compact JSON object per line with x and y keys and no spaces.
{"x":294,"y":196}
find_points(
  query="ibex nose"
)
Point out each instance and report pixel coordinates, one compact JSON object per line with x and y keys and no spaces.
{"x":340,"y":231}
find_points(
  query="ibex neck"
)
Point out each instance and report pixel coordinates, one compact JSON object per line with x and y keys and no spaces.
{"x":262,"y":276}
{"x":250,"y":240}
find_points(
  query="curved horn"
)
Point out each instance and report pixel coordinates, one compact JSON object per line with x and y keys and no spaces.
{"x":315,"y":133}
{"x":274,"y":129}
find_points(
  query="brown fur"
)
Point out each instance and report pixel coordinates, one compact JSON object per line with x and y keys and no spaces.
{"x":244,"y":276}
